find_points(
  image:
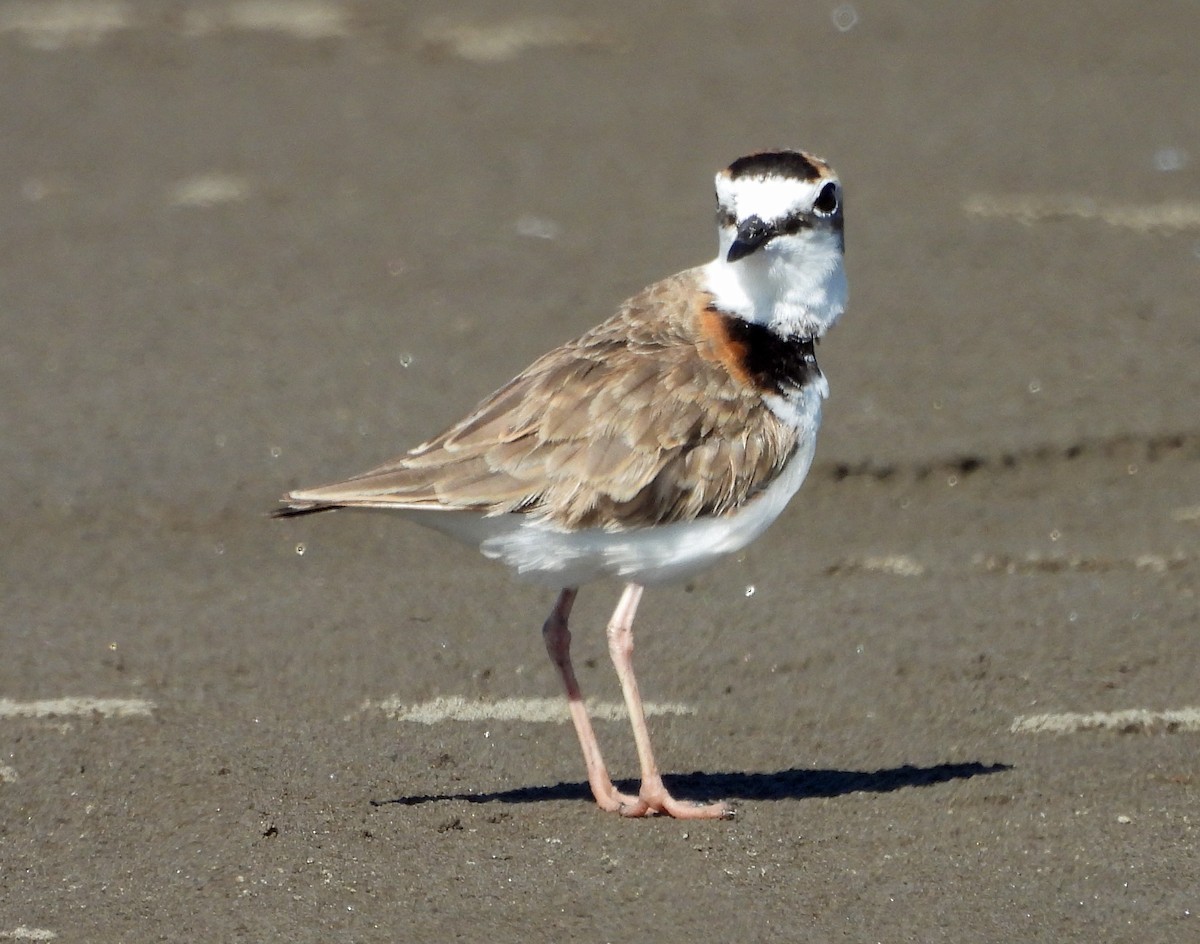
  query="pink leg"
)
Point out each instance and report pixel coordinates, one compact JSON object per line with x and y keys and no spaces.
{"x":558,"y":644}
{"x":653,"y":796}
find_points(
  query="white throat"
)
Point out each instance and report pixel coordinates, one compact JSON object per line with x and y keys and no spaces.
{"x":794,"y":286}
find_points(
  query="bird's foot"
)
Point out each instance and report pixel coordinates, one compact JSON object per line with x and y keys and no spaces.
{"x":653,"y":799}
{"x":612,"y":800}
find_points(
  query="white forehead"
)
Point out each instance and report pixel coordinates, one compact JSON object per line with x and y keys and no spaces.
{"x":770,"y":198}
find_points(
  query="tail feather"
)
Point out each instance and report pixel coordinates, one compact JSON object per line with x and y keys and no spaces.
{"x":299,"y":509}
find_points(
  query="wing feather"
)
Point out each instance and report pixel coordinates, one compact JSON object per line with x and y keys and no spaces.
{"x":635,"y":423}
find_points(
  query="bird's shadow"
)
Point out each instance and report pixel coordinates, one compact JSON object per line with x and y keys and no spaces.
{"x":794,"y":784}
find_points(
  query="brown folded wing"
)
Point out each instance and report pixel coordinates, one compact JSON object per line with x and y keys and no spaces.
{"x":638,"y":422}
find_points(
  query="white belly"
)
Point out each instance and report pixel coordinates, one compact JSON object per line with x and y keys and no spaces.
{"x":544,"y":554}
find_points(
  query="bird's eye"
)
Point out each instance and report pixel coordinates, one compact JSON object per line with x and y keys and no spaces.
{"x":827,"y":199}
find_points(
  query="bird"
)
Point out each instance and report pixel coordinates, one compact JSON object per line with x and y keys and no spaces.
{"x":665,"y":438}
